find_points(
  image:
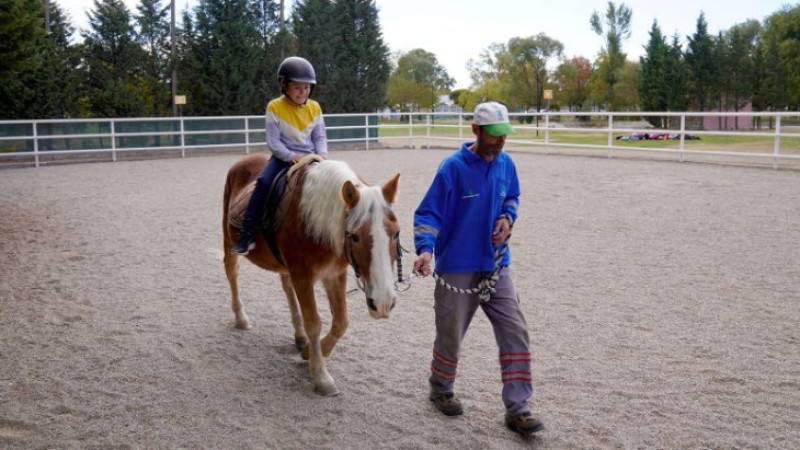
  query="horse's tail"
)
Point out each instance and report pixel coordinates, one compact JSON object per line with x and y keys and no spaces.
{"x":226,"y":201}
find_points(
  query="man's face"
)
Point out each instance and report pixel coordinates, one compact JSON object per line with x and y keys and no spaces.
{"x":488,"y":145}
{"x":298,"y":92}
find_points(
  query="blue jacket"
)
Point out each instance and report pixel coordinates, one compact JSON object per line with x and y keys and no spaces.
{"x":456,"y":217}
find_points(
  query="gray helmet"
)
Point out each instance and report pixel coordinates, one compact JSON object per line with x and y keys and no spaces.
{"x":295,"y":68}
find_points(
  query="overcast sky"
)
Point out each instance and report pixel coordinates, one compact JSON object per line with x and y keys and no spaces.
{"x":457,"y":30}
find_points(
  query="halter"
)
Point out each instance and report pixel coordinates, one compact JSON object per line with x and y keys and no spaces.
{"x":348,"y":251}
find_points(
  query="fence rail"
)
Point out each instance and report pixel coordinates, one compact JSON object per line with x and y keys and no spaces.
{"x":758,"y":136}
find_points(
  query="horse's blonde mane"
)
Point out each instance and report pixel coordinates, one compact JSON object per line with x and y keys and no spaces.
{"x":322,"y":207}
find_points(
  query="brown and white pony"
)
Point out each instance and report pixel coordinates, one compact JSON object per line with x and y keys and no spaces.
{"x":333,"y":220}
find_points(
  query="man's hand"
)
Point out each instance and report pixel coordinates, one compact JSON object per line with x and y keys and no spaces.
{"x":502,"y":228}
{"x":422,"y":266}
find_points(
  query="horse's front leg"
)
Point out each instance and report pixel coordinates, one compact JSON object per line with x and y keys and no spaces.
{"x":300,"y":338}
{"x":336,"y":287}
{"x":323,"y":382}
{"x":231,"y":262}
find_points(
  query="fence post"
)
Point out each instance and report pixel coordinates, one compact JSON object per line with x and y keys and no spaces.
{"x":428,"y":128}
{"x":683,"y":135}
{"x":777,"y":150}
{"x":183,"y":139}
{"x":410,"y":131}
{"x":610,"y":133}
{"x":113,"y":142}
{"x":547,"y":131}
{"x":366,"y":131}
{"x":460,"y":124}
{"x":246,"y":135}
{"x":35,"y":144}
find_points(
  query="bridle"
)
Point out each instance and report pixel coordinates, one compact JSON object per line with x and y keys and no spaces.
{"x":349,"y":238}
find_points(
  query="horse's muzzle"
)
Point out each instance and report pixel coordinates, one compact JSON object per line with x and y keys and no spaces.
{"x":374,"y":309}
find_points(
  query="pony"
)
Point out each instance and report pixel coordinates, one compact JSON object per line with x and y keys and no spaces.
{"x":332,"y":219}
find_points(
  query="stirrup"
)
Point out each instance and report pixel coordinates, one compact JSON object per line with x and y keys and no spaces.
{"x":243,"y":245}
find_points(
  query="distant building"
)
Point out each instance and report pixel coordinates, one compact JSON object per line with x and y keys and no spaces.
{"x":714,"y":123}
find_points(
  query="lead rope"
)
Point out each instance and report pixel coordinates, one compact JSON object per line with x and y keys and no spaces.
{"x":485,"y":287}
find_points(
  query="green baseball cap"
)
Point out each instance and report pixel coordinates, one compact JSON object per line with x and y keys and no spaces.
{"x":493,"y":117}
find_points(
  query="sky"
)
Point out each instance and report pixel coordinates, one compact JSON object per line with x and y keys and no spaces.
{"x":456,"y":31}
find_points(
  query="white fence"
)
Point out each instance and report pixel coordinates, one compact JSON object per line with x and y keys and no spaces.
{"x":767,"y":138}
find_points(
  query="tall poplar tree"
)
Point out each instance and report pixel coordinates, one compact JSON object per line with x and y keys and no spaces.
{"x":615,"y":27}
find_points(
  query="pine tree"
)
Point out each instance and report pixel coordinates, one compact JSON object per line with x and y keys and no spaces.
{"x":154,"y":37}
{"x":702,"y":64}
{"x":653,"y":86}
{"x":53,"y":88}
{"x":226,"y":44}
{"x":21,"y":28}
{"x":113,"y":62}
{"x":344,"y":42}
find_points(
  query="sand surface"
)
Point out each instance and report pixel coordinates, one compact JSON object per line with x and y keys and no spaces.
{"x":663,"y":301}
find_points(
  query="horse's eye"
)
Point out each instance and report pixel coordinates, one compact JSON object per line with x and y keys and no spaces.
{"x":354,"y":238}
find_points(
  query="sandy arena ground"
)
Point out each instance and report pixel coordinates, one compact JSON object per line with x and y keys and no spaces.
{"x":663,"y":301}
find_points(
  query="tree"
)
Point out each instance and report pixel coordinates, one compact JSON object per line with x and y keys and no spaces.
{"x":154,"y":37}
{"x":274,"y":43}
{"x":226,"y":51}
{"x":702,"y":64}
{"x":740,"y":43}
{"x":654,"y":87}
{"x":20,"y":26}
{"x":615,"y":27}
{"x":362,"y":62}
{"x":772,"y":93}
{"x":113,"y":62}
{"x":344,"y":42}
{"x":519,"y":68}
{"x":53,"y":87}
{"x":572,"y":82}
{"x":20,"y":32}
{"x":418,"y":81}
{"x":781,"y":55}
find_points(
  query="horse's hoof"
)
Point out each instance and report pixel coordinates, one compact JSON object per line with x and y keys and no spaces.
{"x":301,"y":343}
{"x":243,"y":325}
{"x":304,"y":351}
{"x":329,"y":391}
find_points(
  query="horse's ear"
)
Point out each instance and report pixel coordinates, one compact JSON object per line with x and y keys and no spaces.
{"x":350,"y":194}
{"x":390,"y":189}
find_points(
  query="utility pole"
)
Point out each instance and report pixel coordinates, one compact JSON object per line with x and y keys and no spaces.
{"x":283,"y":32}
{"x":172,"y":58}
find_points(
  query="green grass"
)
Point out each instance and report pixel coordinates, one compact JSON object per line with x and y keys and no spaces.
{"x":600,"y":138}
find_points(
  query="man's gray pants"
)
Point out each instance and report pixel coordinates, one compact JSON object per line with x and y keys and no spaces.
{"x":455,"y":311}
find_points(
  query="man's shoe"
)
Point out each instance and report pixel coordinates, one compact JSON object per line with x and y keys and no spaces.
{"x":447,"y":403}
{"x":525,"y":424}
{"x":244,"y":244}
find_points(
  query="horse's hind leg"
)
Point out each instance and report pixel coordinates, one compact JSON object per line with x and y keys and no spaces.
{"x":335,"y":288}
{"x":300,"y":338}
{"x":231,"y":261}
